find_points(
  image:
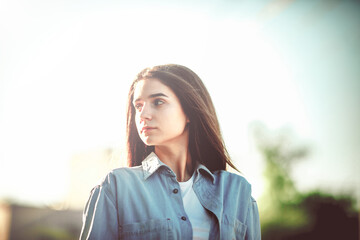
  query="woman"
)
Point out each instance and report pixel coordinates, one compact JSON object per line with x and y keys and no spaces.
{"x":177,"y":186}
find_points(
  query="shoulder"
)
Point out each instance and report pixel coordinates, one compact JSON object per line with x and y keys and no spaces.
{"x":125,"y":172}
{"x":117,"y":179}
{"x":121,"y":176}
{"x":233,"y":182}
{"x":222,"y":175}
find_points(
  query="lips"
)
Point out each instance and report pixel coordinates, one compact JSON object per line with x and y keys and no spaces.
{"x":146,"y":129}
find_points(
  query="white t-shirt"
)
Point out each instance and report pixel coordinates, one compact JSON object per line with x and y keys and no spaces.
{"x":199,"y":217}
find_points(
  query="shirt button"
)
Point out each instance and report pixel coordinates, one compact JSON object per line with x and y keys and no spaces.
{"x":183,"y":218}
{"x":175,"y":190}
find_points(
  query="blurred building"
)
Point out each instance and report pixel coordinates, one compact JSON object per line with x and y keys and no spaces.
{"x":34,"y":223}
{"x":87,"y":169}
{"x":63,"y":220}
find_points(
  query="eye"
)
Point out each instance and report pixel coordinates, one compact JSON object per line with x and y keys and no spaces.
{"x":138,"y":106}
{"x":158,"y":102}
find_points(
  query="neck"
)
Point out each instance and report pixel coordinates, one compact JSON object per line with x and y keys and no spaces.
{"x":178,"y":158}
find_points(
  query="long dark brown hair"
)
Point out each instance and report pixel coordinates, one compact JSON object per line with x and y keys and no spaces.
{"x":206,"y":144}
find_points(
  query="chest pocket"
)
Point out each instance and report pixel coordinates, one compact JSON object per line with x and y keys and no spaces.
{"x":152,"y":229}
{"x":232,"y":228}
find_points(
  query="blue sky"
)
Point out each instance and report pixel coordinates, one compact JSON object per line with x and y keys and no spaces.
{"x":65,"y":69}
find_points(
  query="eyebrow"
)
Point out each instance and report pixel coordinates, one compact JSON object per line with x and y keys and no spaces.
{"x":154,"y":96}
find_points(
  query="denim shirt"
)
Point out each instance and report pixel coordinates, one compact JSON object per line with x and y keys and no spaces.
{"x":145,"y":202}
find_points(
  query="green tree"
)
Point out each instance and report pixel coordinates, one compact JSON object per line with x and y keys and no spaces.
{"x":286,"y":213}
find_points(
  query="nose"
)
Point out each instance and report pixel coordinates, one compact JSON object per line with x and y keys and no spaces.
{"x":145,"y":113}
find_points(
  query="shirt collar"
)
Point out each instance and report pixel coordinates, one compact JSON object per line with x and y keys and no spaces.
{"x":206,"y":170}
{"x":152,"y":163}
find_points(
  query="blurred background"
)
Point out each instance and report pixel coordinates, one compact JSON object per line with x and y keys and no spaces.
{"x":284,"y":76}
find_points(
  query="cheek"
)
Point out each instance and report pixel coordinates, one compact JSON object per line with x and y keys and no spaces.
{"x":177,"y":121}
{"x":137,"y":122}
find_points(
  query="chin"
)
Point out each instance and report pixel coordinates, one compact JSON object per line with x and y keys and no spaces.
{"x":148,"y":141}
{"x":149,"y":144}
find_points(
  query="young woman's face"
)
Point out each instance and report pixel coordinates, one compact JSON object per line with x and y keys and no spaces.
{"x":160,"y":119}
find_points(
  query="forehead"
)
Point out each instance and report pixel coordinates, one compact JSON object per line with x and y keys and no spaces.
{"x":146,"y":87}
